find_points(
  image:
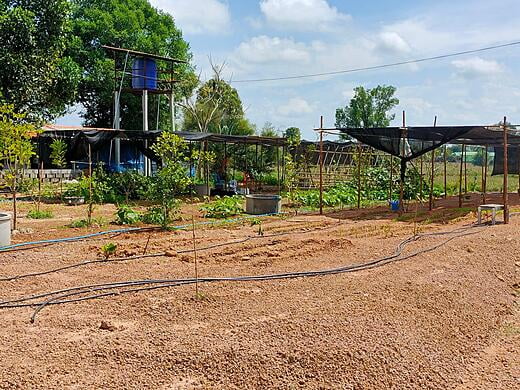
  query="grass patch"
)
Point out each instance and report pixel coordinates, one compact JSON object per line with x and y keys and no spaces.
{"x":83,"y":223}
{"x":437,"y":216}
{"x":40,"y":214}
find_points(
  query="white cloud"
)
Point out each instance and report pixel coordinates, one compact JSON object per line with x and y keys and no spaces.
{"x":263,"y":49}
{"x":295,"y":106}
{"x":197,"y":16}
{"x":476,"y":66}
{"x":302,"y":14}
{"x":391,"y":41}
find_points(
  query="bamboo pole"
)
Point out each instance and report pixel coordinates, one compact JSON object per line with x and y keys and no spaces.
{"x":321,"y":165}
{"x":506,"y":206}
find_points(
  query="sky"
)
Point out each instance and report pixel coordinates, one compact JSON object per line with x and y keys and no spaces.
{"x":277,"y":38}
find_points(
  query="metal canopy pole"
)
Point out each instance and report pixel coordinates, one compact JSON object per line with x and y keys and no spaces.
{"x":460,"y":174}
{"x":403,"y":166}
{"x":145,"y":128}
{"x":484,"y":179}
{"x":433,"y":170}
{"x":506,"y":206}
{"x":117,"y":126}
{"x":359,"y":177}
{"x":445,"y":172}
{"x":321,"y":165}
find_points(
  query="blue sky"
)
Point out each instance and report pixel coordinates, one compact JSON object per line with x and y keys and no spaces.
{"x":270,"y":38}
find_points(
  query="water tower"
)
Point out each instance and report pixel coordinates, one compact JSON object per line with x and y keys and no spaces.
{"x":150,"y":74}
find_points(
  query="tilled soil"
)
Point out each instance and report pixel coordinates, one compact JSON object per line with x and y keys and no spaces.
{"x":445,"y":319}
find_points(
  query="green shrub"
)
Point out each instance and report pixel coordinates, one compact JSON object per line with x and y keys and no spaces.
{"x":39,"y":214}
{"x":125,"y":215}
{"x":108,"y":250}
{"x":83,"y":223}
{"x":224,"y":207}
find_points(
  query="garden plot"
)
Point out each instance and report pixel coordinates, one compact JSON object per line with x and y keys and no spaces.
{"x":445,"y":318}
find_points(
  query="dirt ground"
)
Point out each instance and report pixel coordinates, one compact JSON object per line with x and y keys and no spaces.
{"x":448,"y":318}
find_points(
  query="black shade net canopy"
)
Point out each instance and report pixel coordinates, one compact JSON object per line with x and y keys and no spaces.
{"x":81,"y":138}
{"x":408,"y":143}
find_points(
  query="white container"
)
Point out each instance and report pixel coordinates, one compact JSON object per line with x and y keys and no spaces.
{"x":5,"y":229}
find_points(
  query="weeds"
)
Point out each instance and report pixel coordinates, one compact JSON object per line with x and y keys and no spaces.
{"x":40,"y":214}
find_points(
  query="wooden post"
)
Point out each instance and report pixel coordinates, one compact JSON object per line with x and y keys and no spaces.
{"x":321,"y":165}
{"x":445,"y":173}
{"x":421,"y":181}
{"x":485,"y":175}
{"x":90,"y":201}
{"x":433,"y":170}
{"x":403,"y":166}
{"x":359,"y":178}
{"x":506,"y":206}
{"x":460,"y":176}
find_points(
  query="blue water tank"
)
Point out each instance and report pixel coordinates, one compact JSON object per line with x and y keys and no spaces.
{"x":144,"y":74}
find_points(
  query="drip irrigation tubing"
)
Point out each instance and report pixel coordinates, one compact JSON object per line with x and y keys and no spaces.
{"x":64,"y":296}
{"x":152,"y":255}
{"x":38,"y":244}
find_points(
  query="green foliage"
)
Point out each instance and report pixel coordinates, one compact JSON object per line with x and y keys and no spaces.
{"x":58,"y":151}
{"x":293,"y":135}
{"x":130,"y":24}
{"x":35,"y":76}
{"x":368,"y":108}
{"x":125,"y":215}
{"x":16,"y":148}
{"x":171,"y":180}
{"x":39,"y":214}
{"x":83,"y":223}
{"x":108,"y":250}
{"x":216,"y":109}
{"x":224,"y":207}
{"x":129,"y":184}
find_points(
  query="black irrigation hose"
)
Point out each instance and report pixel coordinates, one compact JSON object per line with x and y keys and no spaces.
{"x":172,"y":283}
{"x":398,"y":251}
{"x":75,"y":291}
{"x":130,"y":258}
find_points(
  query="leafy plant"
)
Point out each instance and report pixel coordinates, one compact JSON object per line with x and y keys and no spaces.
{"x":224,"y":207}
{"x":39,"y":214}
{"x":108,"y":250}
{"x":171,"y":180}
{"x":125,"y":215}
{"x":83,"y":223}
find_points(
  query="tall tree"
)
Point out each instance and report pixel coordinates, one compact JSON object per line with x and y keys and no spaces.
{"x":368,"y":108}
{"x":293,"y":135}
{"x":35,"y":77}
{"x":216,"y":108}
{"x":16,"y":149}
{"x":132,"y":24}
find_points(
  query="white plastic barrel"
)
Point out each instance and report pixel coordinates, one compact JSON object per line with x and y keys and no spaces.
{"x":5,"y":229}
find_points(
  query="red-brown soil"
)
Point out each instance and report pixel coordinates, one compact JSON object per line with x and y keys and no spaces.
{"x":444,"y":319}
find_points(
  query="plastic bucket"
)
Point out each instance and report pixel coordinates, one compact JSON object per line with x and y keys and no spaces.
{"x":263,"y":204}
{"x":394,"y":205}
{"x":5,"y":229}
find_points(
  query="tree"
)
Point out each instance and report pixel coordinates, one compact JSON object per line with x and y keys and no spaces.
{"x":132,"y":24}
{"x":35,"y":76}
{"x":293,"y":135}
{"x":171,"y":179}
{"x":58,"y":152}
{"x":16,"y":149}
{"x":216,"y":107}
{"x":368,"y":108}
